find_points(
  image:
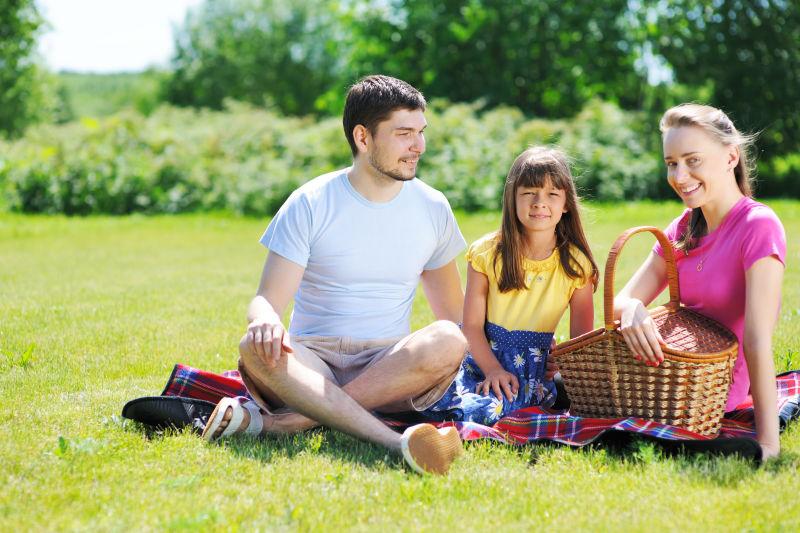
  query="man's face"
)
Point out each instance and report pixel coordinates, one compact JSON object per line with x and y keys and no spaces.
{"x":397,"y":144}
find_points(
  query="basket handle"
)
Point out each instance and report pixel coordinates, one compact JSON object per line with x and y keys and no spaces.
{"x":611,"y":265}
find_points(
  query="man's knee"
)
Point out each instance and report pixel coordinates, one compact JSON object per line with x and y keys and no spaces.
{"x":244,"y":346}
{"x":251,"y":361}
{"x":445,"y":346}
{"x":247,"y":357}
{"x":450,"y":337}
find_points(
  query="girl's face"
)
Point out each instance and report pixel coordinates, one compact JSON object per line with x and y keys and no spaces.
{"x":699,"y":168}
{"x":540,"y":208}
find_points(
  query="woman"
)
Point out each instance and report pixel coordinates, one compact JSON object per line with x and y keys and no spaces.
{"x":731,"y":256}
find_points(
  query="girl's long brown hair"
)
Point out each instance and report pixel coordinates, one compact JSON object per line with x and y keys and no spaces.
{"x":717,"y":124}
{"x":532,"y":169}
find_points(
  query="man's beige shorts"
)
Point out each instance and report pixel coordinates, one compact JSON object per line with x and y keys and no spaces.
{"x":346,"y":358}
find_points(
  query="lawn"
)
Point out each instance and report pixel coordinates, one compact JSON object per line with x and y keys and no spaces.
{"x":95,"y":311}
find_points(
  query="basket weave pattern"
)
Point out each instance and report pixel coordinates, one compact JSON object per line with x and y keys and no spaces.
{"x":688,"y":389}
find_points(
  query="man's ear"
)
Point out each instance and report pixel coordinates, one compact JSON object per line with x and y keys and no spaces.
{"x":361,"y":137}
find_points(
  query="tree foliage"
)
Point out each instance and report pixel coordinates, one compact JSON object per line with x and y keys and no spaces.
{"x":257,"y":51}
{"x":500,"y":74}
{"x":547,"y":57}
{"x":747,"y":52}
{"x":21,"y":80}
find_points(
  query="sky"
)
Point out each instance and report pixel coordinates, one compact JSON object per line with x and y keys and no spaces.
{"x":109,"y":35}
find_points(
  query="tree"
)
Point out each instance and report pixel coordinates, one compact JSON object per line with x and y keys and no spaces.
{"x":547,"y":57}
{"x":748,"y":52}
{"x":257,"y":51}
{"x":22,"y":83}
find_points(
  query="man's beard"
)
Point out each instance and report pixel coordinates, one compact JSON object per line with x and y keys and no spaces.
{"x":393,"y":174}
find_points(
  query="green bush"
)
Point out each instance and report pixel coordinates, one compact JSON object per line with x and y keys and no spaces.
{"x":470,"y":153}
{"x":613,"y":158}
{"x":248,"y":160}
{"x":244,"y":160}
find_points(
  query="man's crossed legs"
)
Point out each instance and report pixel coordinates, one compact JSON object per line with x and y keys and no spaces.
{"x":409,"y":374}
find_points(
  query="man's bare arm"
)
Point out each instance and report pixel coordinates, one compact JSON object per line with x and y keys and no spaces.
{"x":266,"y":335}
{"x":442,"y":287}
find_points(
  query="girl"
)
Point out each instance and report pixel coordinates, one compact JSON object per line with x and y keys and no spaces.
{"x":730,"y":262}
{"x":520,"y":281}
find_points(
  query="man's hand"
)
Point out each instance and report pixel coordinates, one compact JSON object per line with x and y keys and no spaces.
{"x":268,"y":339}
{"x":501,"y":383}
{"x":266,"y":336}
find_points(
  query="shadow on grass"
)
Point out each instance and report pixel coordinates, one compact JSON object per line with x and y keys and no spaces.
{"x":625,"y":446}
{"x":319,"y":441}
{"x":724,"y":462}
{"x":338,"y":446}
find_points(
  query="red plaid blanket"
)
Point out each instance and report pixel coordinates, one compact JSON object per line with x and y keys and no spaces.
{"x":525,"y":425}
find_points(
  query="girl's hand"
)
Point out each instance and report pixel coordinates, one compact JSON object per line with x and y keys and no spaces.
{"x":501,"y":383}
{"x":640,"y":333}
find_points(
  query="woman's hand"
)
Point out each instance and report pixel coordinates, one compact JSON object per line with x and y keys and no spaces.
{"x":640,"y":333}
{"x":636,"y":326}
{"x":501,"y":383}
{"x":769,"y":451}
{"x":764,"y":281}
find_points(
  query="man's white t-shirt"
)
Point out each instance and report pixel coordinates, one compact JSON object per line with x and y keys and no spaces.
{"x":362,"y":259}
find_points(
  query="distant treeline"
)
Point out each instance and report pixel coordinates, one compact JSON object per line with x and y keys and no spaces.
{"x":591,"y":76}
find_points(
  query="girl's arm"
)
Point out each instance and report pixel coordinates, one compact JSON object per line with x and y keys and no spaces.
{"x":581,"y":311}
{"x":630,"y":307}
{"x":500,"y":381}
{"x":581,"y":320}
{"x":763,"y":295}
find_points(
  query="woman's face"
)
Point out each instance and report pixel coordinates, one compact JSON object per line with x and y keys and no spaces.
{"x":699,"y":167}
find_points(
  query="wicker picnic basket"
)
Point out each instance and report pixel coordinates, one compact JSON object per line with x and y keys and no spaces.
{"x":688,"y":389}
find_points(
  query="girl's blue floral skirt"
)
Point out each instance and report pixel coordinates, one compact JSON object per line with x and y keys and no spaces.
{"x":522,"y":353}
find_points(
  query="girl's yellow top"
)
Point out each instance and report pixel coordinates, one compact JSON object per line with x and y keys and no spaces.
{"x":538,"y":307}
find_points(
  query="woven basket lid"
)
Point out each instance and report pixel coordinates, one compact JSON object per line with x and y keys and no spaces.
{"x":691,"y":332}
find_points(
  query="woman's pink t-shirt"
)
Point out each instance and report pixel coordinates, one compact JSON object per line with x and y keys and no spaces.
{"x":749,"y":232}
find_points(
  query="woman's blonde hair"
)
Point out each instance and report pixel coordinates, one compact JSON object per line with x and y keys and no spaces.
{"x":717,"y":124}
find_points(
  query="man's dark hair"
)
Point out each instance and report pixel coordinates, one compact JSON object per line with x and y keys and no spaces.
{"x":372,"y":99}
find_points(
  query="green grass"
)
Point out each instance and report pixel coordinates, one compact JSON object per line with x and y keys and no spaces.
{"x":95,"y":311}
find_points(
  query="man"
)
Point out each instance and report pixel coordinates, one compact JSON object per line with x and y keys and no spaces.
{"x":351,"y":247}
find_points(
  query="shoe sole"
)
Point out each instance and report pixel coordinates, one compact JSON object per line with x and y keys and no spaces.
{"x":436,"y":449}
